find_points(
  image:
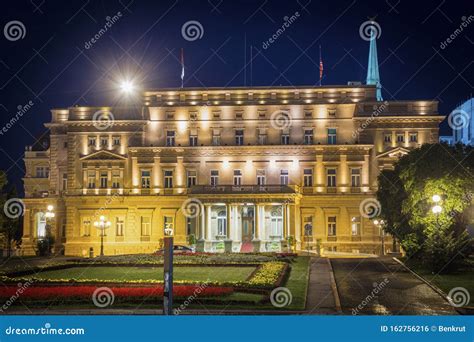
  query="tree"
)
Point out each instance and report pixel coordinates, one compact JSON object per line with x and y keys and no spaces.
{"x":10,"y":228}
{"x":405,"y":193}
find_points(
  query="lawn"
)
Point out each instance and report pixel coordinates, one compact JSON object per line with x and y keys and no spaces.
{"x":205,"y":273}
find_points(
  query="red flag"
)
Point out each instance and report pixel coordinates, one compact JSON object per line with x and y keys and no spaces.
{"x":321,"y":68}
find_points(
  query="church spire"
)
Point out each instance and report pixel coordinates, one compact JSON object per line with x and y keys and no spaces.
{"x":373,"y":76}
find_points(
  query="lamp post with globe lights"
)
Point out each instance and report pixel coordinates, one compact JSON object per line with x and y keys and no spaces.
{"x":437,"y":208}
{"x":102,"y":224}
{"x":380,"y":224}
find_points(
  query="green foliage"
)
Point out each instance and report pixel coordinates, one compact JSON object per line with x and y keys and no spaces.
{"x":405,"y":194}
{"x":191,"y":239}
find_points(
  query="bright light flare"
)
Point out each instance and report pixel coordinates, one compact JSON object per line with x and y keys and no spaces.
{"x":127,"y":86}
{"x":436,"y":209}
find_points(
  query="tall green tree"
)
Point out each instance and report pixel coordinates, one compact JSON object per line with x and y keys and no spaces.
{"x":405,"y":193}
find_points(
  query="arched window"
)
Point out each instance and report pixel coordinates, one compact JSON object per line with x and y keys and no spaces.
{"x":221,"y":223}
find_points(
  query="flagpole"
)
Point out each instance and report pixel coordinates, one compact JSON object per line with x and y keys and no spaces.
{"x":182,"y":68}
{"x":320,"y":67}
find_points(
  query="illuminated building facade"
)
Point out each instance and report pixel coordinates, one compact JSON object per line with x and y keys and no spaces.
{"x":241,"y":169}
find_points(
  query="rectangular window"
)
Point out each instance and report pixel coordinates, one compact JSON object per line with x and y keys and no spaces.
{"x":168,"y":223}
{"x":168,"y":179}
{"x":86,"y":227}
{"x":170,"y":138}
{"x":387,"y":138}
{"x":91,"y":141}
{"x":262,"y":138}
{"x":146,"y":226}
{"x":261,"y":177}
{"x":216,"y":115}
{"x":193,"y":116}
{"x":103,"y":179}
{"x":308,"y":136}
{"x":355,"y":177}
{"x":331,"y":226}
{"x":191,"y":178}
{"x":355,"y":225}
{"x":64,"y":181}
{"x":115,"y":179}
{"x":308,"y":225}
{"x":413,"y":137}
{"x":331,"y":136}
{"x":193,"y":140}
{"x":401,"y":138}
{"x":239,"y":137}
{"x":116,"y":141}
{"x":216,"y":140}
{"x":214,"y":177}
{"x":331,"y":177}
{"x":42,"y":172}
{"x":91,"y":179}
{"x":308,"y":177}
{"x":284,"y":177}
{"x":237,"y":177}
{"x":285,"y":139}
{"x":308,"y":114}
{"x":146,"y":179}
{"x":119,"y":227}
{"x":104,"y":141}
{"x":239,"y":115}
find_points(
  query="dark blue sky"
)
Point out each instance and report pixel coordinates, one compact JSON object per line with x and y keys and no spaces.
{"x":51,"y":67}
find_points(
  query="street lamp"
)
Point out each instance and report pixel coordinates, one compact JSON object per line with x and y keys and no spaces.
{"x":102,"y":224}
{"x":436,"y":198}
{"x":437,"y":209}
{"x":380,"y":223}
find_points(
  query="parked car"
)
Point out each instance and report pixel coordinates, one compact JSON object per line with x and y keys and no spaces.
{"x":177,"y":249}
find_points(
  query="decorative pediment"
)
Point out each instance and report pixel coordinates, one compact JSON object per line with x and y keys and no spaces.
{"x":103,"y":155}
{"x":396,"y":152}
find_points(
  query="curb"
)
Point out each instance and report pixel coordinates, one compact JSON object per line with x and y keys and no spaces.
{"x":335,"y":293}
{"x":460,"y":310}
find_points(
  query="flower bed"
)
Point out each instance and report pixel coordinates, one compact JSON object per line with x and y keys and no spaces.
{"x":84,"y":291}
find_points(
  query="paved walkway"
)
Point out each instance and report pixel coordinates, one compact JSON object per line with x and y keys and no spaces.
{"x":320,"y":299}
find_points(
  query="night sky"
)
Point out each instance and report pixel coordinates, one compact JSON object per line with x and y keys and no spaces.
{"x":51,"y":66}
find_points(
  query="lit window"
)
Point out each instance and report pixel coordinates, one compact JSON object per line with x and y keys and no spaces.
{"x":64,"y":181}
{"x":355,"y":225}
{"x":146,"y":226}
{"x":414,"y":137}
{"x":170,"y":138}
{"x":216,"y":139}
{"x":331,"y":223}
{"x":119,"y":227}
{"x":308,"y":177}
{"x":116,"y":179}
{"x":42,"y":172}
{"x":193,"y":140}
{"x":146,"y":179}
{"x":308,"y":136}
{"x":331,"y":136}
{"x":262,"y":138}
{"x":355,"y":177}
{"x":331,"y":177}
{"x":91,"y":179}
{"x":308,"y":225}
{"x":221,"y":223}
{"x":284,"y":177}
{"x":168,"y":179}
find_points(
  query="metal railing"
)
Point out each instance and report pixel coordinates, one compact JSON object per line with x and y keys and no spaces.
{"x":243,"y":189}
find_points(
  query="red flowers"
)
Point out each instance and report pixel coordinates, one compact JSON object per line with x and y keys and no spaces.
{"x":86,"y":291}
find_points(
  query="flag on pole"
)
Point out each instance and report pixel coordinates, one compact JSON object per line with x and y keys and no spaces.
{"x":321,"y":68}
{"x":182,"y":68}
